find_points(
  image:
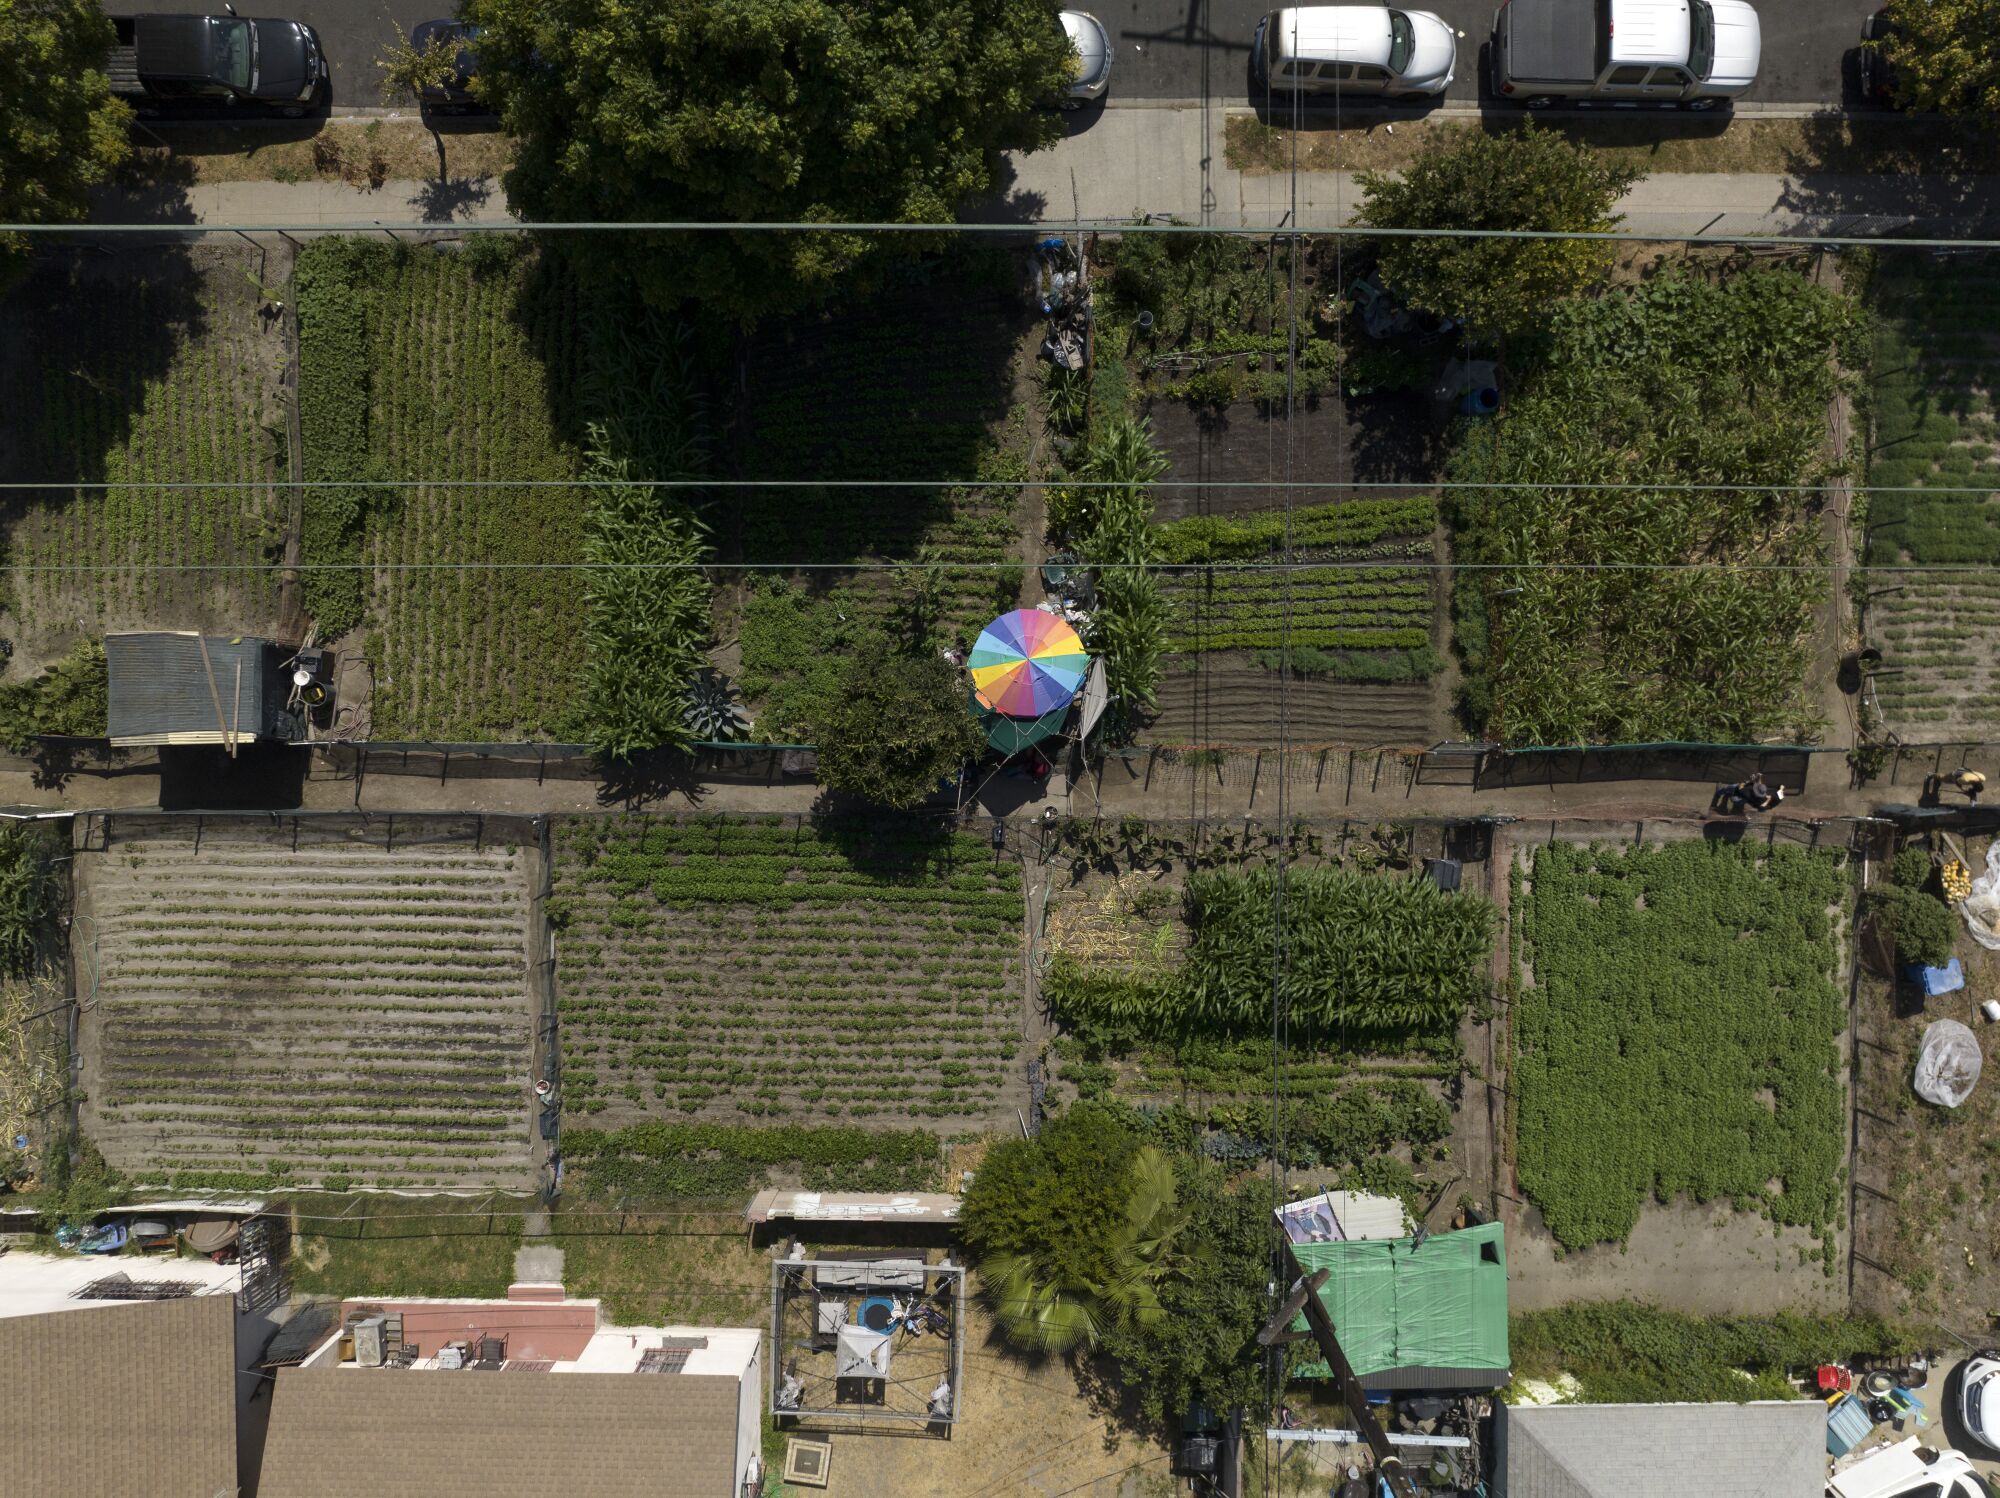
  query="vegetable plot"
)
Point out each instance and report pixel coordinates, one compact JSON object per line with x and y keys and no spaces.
{"x":1676,"y":1035}
{"x":1935,"y":372}
{"x":1226,"y":594}
{"x":332,"y":1012}
{"x":151,"y":372}
{"x":767,"y":967}
{"x":461,"y":367}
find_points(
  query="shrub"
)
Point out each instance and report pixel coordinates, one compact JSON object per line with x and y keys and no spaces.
{"x":1921,"y":925}
{"x":70,"y":699}
{"x":899,"y":726}
{"x":1624,"y":1351}
{"x":1911,"y":868}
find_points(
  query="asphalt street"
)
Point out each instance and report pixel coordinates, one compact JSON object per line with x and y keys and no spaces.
{"x":1200,"y":49}
{"x":1166,"y":49}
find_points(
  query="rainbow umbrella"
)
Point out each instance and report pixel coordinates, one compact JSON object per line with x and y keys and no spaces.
{"x":1026,"y":663}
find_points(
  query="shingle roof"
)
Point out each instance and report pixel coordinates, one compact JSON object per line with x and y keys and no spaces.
{"x":473,"y":1434}
{"x":1767,"y":1449}
{"x":119,"y":1399}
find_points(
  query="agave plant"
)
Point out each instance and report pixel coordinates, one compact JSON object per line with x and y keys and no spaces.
{"x":713,"y":713}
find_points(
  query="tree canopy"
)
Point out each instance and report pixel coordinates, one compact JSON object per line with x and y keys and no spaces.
{"x":61,"y":130}
{"x":1531,"y":178}
{"x":1946,"y":56}
{"x":898,"y":725}
{"x":785,"y":110}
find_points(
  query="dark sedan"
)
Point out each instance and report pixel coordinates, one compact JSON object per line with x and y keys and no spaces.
{"x":454,"y":95}
{"x":1878,"y":79}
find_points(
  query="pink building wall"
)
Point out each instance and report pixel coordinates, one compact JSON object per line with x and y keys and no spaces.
{"x":555,"y":1331}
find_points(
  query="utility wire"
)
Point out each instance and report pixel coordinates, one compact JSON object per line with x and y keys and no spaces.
{"x":1408,"y":487}
{"x":1027,"y":230}
{"x":1275,"y":565}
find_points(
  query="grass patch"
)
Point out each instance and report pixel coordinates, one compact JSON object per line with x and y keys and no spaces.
{"x":1677,"y":1036}
{"x":1625,"y":1352}
{"x":1857,"y":145}
{"x":371,"y":1245}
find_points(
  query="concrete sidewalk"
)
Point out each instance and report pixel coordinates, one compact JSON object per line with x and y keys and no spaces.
{"x":1130,"y":162}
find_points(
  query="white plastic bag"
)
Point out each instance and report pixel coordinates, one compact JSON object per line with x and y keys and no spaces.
{"x":1948,"y":1065}
{"x":1981,"y":908}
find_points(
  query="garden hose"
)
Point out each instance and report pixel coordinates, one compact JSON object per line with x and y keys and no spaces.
{"x":89,"y":1001}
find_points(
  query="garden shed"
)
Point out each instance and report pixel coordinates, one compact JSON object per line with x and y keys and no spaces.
{"x":1412,"y":1313}
{"x":1762,"y":1449}
{"x":170,"y":687}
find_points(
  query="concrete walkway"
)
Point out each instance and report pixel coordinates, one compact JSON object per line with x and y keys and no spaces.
{"x":1169,"y":161}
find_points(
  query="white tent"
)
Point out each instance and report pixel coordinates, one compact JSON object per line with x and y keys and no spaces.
{"x":861,"y":1353}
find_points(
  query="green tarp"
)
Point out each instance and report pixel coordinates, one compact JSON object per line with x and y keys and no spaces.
{"x":1410,"y":1316}
{"x":1012,"y":735}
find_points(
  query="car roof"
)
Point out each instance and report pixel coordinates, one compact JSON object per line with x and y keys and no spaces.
{"x":1340,"y":33}
{"x":1650,"y":31}
{"x":1088,"y":37}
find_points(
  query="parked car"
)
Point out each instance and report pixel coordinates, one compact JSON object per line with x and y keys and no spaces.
{"x":223,"y":57}
{"x":1370,"y":50}
{"x":1910,"y":1470}
{"x":1625,"y":54}
{"x":1878,"y":79}
{"x":1979,"y":1397}
{"x":1093,"y":52}
{"x":454,"y":96}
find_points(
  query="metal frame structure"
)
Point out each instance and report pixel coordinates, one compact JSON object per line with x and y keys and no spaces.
{"x":795,"y":1298}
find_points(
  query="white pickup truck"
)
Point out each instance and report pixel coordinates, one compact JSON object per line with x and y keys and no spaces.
{"x":1624,"y":54}
{"x":1909,"y":1470}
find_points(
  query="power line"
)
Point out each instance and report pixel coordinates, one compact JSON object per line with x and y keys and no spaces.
{"x":1024,"y":230}
{"x":1430,"y":564}
{"x":1405,"y":486}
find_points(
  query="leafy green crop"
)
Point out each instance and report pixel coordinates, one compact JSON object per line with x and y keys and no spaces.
{"x":1364,"y":956}
{"x":1678,"y":381}
{"x":1677,"y":1036}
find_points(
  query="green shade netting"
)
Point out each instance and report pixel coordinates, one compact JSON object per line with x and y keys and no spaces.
{"x":1395,"y":1305}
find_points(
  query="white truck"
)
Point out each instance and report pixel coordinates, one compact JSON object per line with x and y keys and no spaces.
{"x":1624,"y":54}
{"x":1909,"y":1470}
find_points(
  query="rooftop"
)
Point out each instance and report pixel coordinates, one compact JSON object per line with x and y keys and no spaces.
{"x":33,"y":1284}
{"x":1764,"y":1449}
{"x":134,"y":1399}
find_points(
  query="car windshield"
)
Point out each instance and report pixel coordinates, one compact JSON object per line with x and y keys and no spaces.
{"x":1402,"y":41}
{"x":1701,"y":50}
{"x":232,"y":50}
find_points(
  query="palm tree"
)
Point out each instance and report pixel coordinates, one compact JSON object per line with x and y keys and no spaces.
{"x":1046,"y":1311}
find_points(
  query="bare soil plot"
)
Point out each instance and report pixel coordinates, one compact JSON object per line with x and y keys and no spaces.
{"x":765,"y":967}
{"x":154,"y":366}
{"x":1230,"y":700}
{"x":346,"y":1009}
{"x":1927,"y":1179}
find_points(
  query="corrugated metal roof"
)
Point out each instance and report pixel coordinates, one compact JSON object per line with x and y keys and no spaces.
{"x":1766,"y":1449}
{"x":163,"y":692}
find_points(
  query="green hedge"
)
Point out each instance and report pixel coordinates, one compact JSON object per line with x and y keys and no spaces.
{"x":676,"y":1162}
{"x":1623,"y":1351}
